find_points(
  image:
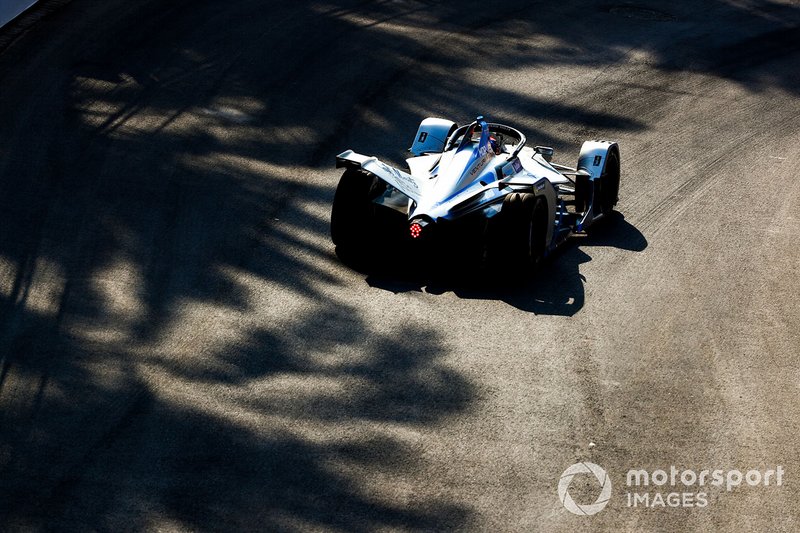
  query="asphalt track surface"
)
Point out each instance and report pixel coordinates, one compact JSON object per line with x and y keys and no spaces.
{"x":181,"y":349}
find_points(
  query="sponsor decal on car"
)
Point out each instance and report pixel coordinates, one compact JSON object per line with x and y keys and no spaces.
{"x":512,"y":167}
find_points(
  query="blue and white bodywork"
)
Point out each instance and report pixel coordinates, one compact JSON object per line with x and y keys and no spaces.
{"x":482,"y":172}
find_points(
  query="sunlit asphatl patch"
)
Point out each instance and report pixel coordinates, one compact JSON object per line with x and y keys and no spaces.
{"x":416,"y":230}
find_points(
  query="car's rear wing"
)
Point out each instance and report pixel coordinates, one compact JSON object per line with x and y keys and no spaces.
{"x":398,"y":179}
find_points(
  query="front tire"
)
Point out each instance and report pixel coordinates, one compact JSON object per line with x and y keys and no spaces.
{"x":609,"y":183}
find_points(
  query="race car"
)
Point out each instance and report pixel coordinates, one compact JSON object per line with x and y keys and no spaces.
{"x":478,"y":185}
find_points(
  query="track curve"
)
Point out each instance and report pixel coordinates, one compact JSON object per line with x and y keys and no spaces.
{"x":181,"y":349}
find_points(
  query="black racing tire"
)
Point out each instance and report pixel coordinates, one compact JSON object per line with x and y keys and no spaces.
{"x":538,"y":236}
{"x":609,"y":183}
{"x":515,"y":237}
{"x":353,"y":212}
{"x":582,"y":193}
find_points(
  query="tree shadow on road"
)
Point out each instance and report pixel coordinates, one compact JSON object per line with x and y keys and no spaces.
{"x":154,"y":202}
{"x":307,"y":448}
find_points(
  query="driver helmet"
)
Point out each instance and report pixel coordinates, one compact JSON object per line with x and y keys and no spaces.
{"x":494,"y":144}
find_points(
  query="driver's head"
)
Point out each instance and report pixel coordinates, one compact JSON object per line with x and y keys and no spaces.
{"x":494,"y":144}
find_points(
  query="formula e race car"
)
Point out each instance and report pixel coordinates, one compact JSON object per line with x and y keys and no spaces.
{"x":478,"y":185}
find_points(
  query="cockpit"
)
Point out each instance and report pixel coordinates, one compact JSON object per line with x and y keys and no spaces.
{"x":509,"y":140}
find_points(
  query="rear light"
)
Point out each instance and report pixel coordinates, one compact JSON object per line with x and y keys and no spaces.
{"x":417,"y":227}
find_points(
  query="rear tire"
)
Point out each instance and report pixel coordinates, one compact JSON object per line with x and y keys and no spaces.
{"x":515,"y":237}
{"x":353,"y":212}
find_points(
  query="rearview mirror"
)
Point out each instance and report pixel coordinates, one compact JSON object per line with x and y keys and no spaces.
{"x":545,"y":151}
